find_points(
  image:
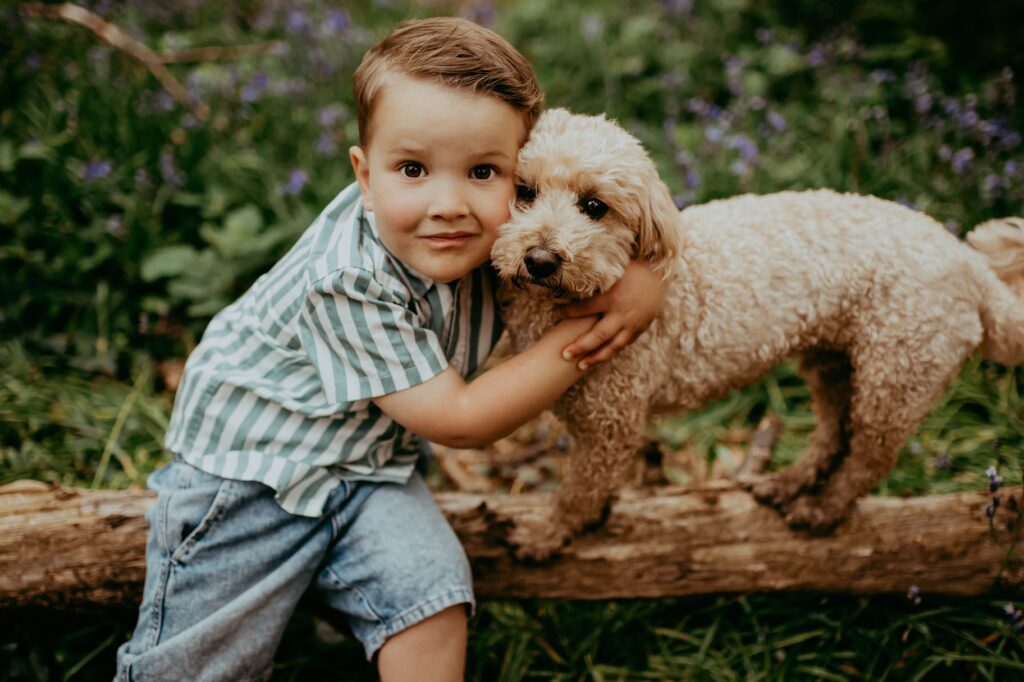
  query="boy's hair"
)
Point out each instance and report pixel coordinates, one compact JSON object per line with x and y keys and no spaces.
{"x":452,"y":52}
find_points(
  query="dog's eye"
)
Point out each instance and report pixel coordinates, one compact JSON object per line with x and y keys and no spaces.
{"x":594,"y":208}
{"x":525,"y":194}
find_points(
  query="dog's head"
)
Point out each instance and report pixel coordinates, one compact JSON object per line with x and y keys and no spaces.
{"x":589,"y":199}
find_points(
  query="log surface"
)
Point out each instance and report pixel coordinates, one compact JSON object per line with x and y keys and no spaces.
{"x":74,"y":547}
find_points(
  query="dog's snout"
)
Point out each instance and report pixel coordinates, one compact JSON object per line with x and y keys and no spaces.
{"x":541,"y":262}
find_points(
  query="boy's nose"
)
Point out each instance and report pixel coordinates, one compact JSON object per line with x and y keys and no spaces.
{"x":449,"y":203}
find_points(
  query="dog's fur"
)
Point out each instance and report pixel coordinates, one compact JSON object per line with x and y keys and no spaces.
{"x":881,"y":303}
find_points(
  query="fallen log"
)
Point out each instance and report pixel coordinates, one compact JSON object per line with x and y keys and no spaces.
{"x":67,"y":547}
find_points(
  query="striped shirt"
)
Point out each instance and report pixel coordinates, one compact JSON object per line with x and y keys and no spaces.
{"x":279,"y":389}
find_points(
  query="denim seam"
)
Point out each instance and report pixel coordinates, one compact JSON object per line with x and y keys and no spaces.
{"x":416,"y":614}
{"x":341,"y":583}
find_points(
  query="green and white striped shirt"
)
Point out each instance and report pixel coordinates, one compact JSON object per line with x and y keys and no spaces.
{"x":279,"y":389}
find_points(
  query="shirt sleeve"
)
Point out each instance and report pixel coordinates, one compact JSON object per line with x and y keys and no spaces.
{"x":363,"y":340}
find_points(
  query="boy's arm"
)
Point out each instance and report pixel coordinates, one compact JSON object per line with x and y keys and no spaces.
{"x":452,"y":412}
{"x":626,"y":310}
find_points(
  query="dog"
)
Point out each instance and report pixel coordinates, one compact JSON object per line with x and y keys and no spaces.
{"x":881,"y":304}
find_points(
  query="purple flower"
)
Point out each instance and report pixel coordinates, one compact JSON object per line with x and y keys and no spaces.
{"x":738,"y":168}
{"x":296,"y":181}
{"x":816,"y":57}
{"x":746,"y":147}
{"x":330,"y":115}
{"x":991,"y":183}
{"x":776,"y":121}
{"x":714,"y":134}
{"x":923,"y":103}
{"x":115,"y":226}
{"x":96,"y":170}
{"x":880,"y":76}
{"x":962,"y":161}
{"x":255,"y":87}
{"x":169,"y":171}
{"x":296,"y":22}
{"x":692,"y":179}
{"x":1011,"y":167}
{"x":679,"y":8}
{"x":326,"y":145}
{"x":33,"y":60}
{"x":914,"y":595}
{"x":336,"y":21}
{"x":994,"y":479}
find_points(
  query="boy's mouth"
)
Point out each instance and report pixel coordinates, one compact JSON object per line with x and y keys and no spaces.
{"x":447,"y":240}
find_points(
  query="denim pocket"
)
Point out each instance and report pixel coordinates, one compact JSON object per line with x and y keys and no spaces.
{"x":189,"y":506}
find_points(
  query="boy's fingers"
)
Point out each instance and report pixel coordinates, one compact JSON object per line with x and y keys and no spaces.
{"x":608,"y":350}
{"x":596,"y":337}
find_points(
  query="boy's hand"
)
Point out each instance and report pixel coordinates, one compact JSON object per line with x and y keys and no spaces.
{"x":626,"y":310}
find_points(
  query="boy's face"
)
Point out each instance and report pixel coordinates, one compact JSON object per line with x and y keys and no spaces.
{"x":439,"y":173}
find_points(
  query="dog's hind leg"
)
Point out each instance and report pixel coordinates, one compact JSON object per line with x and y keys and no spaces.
{"x":895,"y":386}
{"x":827,"y":374}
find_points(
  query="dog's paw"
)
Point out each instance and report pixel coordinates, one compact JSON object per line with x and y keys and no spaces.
{"x":774,"y":491}
{"x":808,"y":514}
{"x":536,"y":542}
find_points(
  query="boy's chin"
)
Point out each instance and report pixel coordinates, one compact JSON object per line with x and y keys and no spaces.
{"x":448,"y":270}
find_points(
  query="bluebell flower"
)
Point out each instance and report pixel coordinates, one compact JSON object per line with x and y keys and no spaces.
{"x":326,"y":145}
{"x":169,"y":171}
{"x":679,"y":8}
{"x":255,"y":87}
{"x":296,"y":181}
{"x":991,"y":184}
{"x":879,"y":76}
{"x":1011,"y":168}
{"x":776,"y":121}
{"x":738,"y":168}
{"x":914,"y":595}
{"x":296,"y":22}
{"x":336,"y":21}
{"x":746,"y":147}
{"x":714,"y":134}
{"x":816,"y":57}
{"x":692,"y":179}
{"x":962,"y":161}
{"x":96,"y":170}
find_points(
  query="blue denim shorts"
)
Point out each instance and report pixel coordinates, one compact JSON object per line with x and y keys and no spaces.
{"x":226,"y":566}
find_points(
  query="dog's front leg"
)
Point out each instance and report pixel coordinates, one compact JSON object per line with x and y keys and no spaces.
{"x":605,"y":442}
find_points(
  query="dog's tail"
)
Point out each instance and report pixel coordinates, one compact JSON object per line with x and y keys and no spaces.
{"x":1001,"y":241}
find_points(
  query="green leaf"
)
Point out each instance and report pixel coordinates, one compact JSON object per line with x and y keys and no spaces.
{"x":168,"y":261}
{"x":12,"y":207}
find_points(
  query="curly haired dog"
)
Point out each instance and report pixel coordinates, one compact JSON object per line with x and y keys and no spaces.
{"x":881,"y":303}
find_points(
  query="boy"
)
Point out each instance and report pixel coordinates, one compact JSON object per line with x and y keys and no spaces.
{"x":294,"y":460}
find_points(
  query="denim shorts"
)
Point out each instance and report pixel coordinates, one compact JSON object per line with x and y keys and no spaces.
{"x":226,"y":566}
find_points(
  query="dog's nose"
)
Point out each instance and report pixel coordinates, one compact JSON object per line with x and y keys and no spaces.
{"x":541,"y":262}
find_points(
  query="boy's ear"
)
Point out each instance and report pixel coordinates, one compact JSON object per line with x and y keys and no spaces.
{"x":362,"y":170}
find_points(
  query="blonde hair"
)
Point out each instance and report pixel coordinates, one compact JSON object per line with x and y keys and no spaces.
{"x":452,"y":52}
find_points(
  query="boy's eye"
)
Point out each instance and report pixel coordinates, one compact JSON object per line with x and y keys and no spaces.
{"x":482,"y":172}
{"x":593,"y":207}
{"x":411,"y":169}
{"x":525,"y":194}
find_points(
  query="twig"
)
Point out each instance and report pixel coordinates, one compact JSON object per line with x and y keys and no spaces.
{"x":117,"y":38}
{"x":760,"y":449}
{"x":219,"y":53}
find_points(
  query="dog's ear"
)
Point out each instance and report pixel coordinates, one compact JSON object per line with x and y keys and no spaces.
{"x":659,"y":235}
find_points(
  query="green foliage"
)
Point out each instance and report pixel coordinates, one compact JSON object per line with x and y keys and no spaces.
{"x":127,"y":219}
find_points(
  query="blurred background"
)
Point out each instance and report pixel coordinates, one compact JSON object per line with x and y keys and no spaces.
{"x":132,"y":209}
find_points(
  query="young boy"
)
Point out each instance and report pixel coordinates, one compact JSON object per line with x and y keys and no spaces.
{"x":294,"y":460}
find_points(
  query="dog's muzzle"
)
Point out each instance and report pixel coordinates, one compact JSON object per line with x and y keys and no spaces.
{"x":541,"y":262}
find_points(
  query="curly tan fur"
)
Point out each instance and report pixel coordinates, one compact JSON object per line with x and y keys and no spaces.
{"x":880,"y":302}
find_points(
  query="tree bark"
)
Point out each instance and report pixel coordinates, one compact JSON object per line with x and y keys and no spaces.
{"x":69,"y":547}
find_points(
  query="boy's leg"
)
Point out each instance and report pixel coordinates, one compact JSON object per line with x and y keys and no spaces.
{"x":399,"y":573}
{"x":439,"y":640}
{"x":225,"y":569}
